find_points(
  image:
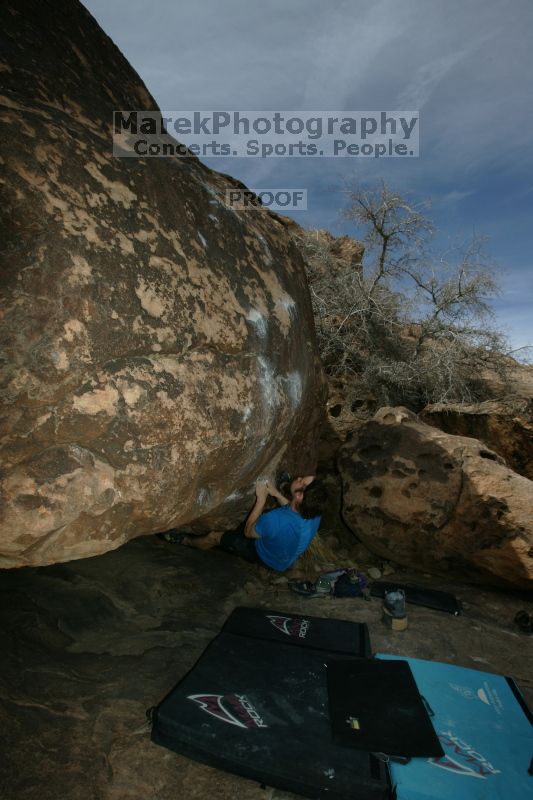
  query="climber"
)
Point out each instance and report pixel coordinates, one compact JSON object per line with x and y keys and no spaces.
{"x":274,"y":538}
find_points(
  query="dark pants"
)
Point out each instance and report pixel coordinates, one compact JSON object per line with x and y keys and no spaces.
{"x":238,"y":544}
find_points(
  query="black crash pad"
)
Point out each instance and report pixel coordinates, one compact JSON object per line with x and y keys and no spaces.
{"x":419,"y":596}
{"x":376,"y":706}
{"x":332,"y":635}
{"x":260,"y":709}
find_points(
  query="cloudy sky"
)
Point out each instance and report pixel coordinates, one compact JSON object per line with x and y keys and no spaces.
{"x":466,"y":65}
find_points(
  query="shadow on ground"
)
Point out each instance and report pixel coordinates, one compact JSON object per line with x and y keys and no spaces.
{"x":88,"y":646}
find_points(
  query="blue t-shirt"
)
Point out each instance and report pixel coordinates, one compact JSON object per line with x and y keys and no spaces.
{"x":284,"y":536}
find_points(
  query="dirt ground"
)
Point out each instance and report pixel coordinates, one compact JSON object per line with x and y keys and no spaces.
{"x":88,"y":646}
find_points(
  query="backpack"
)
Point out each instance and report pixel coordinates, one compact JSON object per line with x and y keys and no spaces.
{"x":343,"y":583}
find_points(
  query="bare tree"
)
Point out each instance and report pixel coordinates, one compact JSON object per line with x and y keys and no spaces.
{"x":410,"y":327}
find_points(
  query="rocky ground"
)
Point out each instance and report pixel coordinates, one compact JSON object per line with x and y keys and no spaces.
{"x":89,"y":645}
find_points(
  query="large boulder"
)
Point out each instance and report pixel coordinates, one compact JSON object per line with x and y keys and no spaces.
{"x":430,"y":500}
{"x":158,"y":347}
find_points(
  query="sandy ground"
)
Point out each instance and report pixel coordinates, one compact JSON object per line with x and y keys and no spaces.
{"x":88,"y":646}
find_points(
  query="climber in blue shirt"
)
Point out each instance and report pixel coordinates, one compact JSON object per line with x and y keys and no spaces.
{"x":285,"y":533}
{"x":274,"y":538}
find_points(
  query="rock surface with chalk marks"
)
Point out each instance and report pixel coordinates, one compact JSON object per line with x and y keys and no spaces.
{"x":158,"y":350}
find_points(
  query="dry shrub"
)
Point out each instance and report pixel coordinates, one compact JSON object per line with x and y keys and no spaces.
{"x":404,"y":326}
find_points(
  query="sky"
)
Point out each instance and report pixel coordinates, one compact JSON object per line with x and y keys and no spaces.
{"x":465,"y":65}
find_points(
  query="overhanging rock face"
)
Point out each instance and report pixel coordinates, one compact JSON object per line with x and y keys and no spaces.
{"x":158,"y":348}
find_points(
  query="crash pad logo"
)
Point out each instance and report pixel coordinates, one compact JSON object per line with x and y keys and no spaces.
{"x":465,"y":760}
{"x":290,"y":626}
{"x":464,"y":691}
{"x":486,"y":693}
{"x":235,"y":709}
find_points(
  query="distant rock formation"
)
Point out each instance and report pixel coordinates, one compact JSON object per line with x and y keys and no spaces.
{"x":158,"y":347}
{"x":339,"y":251}
{"x":504,"y":424}
{"x":430,"y":500}
{"x":345,"y":250}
